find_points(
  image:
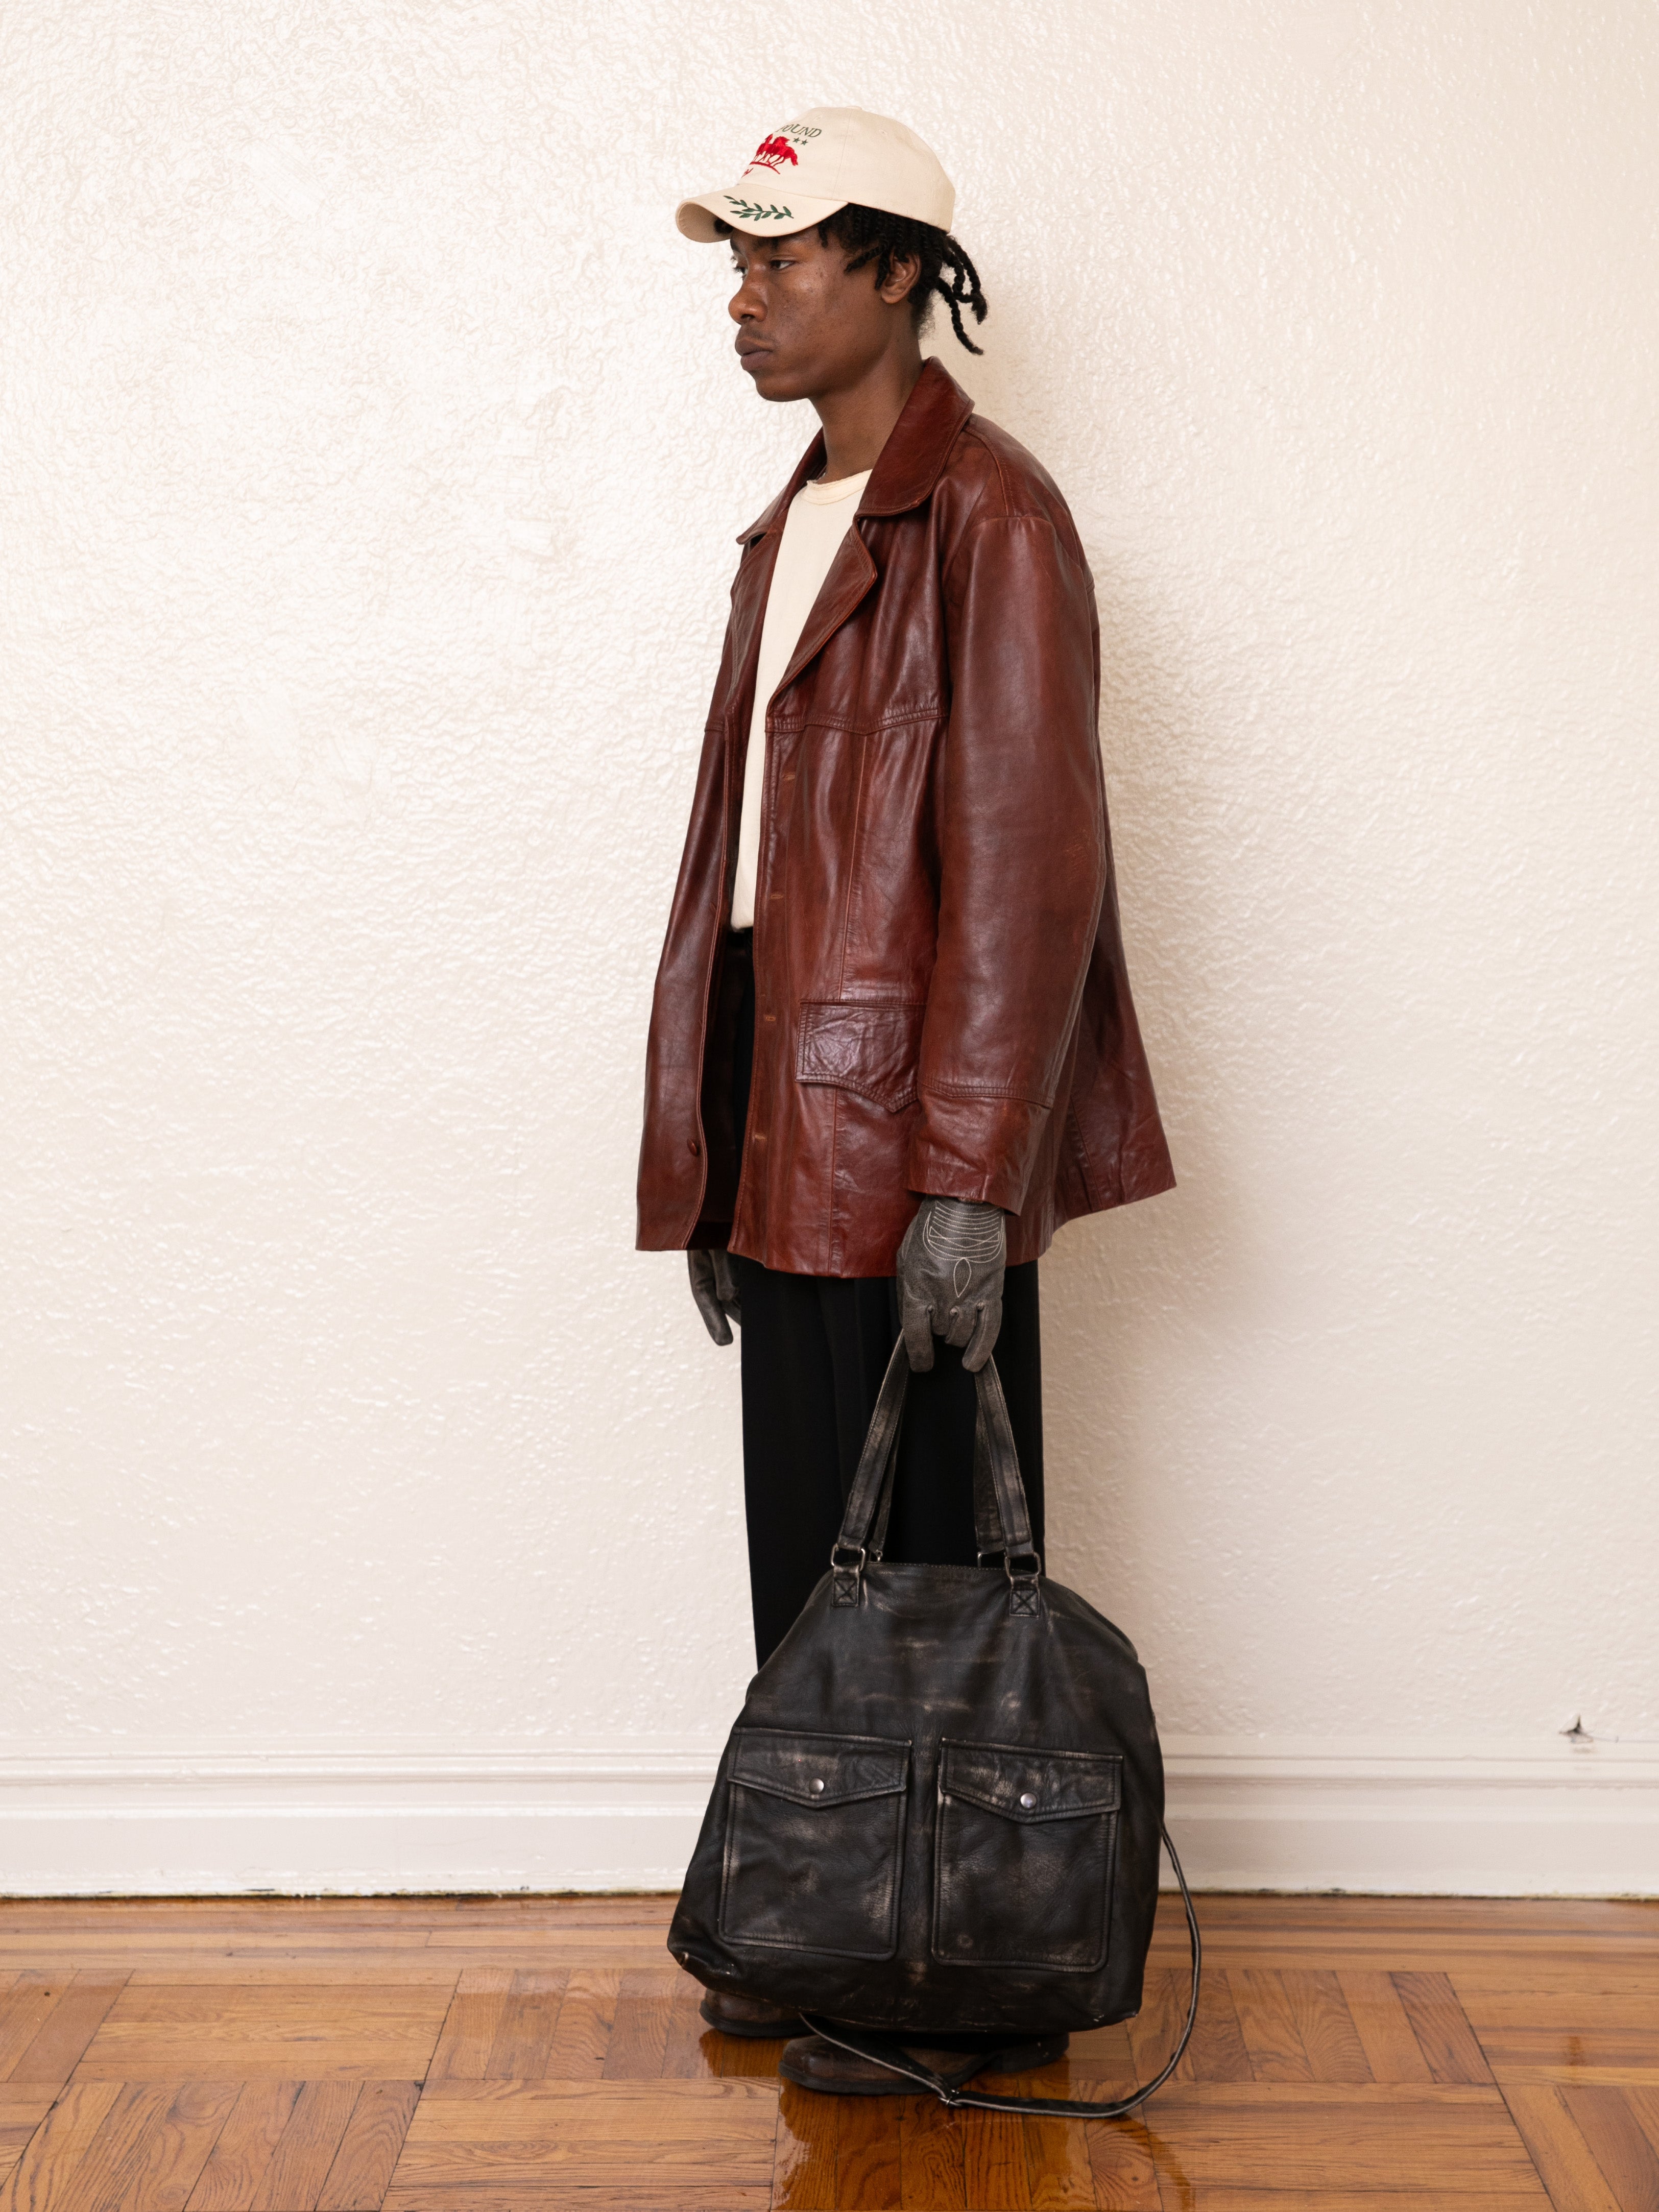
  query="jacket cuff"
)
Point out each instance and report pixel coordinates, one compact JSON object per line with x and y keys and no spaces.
{"x":979,"y":1148}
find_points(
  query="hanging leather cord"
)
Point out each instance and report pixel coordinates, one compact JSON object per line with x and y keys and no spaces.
{"x":898,"y":2061}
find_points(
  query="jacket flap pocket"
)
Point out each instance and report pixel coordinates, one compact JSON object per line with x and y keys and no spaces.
{"x":818,"y":1770}
{"x":869,"y":1046}
{"x":1030,"y":1784}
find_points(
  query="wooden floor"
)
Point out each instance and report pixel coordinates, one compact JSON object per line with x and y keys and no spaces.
{"x":514,"y":2055}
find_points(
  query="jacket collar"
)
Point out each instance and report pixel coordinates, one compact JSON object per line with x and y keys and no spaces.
{"x":908,"y":465}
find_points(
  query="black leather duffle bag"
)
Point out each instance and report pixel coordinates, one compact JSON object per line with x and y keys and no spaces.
{"x":940,"y":1808}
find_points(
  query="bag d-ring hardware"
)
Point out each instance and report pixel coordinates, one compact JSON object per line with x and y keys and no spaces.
{"x":848,"y":1578}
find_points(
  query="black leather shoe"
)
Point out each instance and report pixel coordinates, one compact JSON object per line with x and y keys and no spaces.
{"x":733,"y":2013}
{"x":812,"y":2064}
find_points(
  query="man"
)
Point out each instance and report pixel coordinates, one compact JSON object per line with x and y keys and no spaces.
{"x":892,"y":1047}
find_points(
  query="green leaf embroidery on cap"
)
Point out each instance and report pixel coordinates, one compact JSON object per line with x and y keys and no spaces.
{"x":748,"y":213}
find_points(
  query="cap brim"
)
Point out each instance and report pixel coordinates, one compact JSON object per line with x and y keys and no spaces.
{"x":765,"y":214}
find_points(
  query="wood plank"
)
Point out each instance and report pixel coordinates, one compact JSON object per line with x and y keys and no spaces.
{"x":1216,"y":2052}
{"x":1096,"y":2061}
{"x":1323,"y":2022}
{"x":166,"y":2162}
{"x":236,"y":2165}
{"x":1392,"y":2052}
{"x":1338,"y":2136}
{"x":1447,"y":2040}
{"x":639,"y":2032}
{"x":1058,"y":2175}
{"x":470,"y":2025}
{"x":691,"y":2049}
{"x":1351,"y":1957}
{"x":162,"y":1967}
{"x":1155,"y":2032}
{"x":40,"y":2181}
{"x":1528,"y":2034}
{"x":1268,"y":2027}
{"x":643,"y":1946}
{"x":931,"y":2156}
{"x":217,"y":2032}
{"x":1570,"y":1973}
{"x":1126,"y":2176}
{"x":509,"y":2136}
{"x":1619,"y":2143}
{"x":34,"y":1996}
{"x":747,"y":2059}
{"x":994,"y":2158}
{"x":151,"y":2148}
{"x":58,"y":2046}
{"x":868,"y":2171}
{"x":21,"y":2110}
{"x":806,"y":2151}
{"x":300,"y":2164}
{"x":582,"y":2036}
{"x":525,"y":2032}
{"x":1420,"y":2198}
{"x":1577,"y":2072}
{"x":108,"y":2165}
{"x":1645,"y":2104}
{"x":1563,"y":2160}
{"x":363,"y":2165}
{"x":596,"y":2196}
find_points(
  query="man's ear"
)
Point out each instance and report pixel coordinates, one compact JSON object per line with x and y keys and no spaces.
{"x":902,"y":278}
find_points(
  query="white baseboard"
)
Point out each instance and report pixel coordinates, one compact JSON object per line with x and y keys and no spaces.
{"x":1430,"y":1816}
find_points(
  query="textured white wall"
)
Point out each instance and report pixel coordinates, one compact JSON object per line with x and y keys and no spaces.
{"x":374,"y":452}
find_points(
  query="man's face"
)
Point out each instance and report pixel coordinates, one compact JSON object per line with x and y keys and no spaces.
{"x":807,"y":324}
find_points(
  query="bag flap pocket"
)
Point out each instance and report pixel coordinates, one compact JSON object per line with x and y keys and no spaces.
{"x":1024,"y":1783}
{"x":866,"y":1046}
{"x":818,"y":1770}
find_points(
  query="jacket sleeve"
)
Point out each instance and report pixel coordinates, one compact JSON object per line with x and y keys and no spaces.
{"x":1020,"y":808}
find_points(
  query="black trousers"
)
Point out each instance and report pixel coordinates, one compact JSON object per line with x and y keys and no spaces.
{"x":815,"y":1348}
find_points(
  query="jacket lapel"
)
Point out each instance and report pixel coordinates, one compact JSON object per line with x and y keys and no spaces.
{"x":851,"y":574}
{"x":908,"y":466}
{"x":754,"y":584}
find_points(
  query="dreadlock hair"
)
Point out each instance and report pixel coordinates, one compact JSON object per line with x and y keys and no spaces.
{"x":869,"y":234}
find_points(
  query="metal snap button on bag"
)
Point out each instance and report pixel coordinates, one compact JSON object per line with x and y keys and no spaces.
{"x":941,"y":1806}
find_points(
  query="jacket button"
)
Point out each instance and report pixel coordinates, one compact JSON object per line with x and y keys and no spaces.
{"x":817,"y":1789}
{"x":1027,"y":1800}
{"x":693,"y":1147}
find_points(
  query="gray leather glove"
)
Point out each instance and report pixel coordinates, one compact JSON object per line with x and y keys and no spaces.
{"x":714,"y":1287}
{"x":951,"y":1267}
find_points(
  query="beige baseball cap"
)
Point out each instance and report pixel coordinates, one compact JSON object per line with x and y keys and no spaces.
{"x":804,"y":170}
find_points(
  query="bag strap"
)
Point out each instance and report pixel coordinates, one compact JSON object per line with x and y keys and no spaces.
{"x":898,"y":2061}
{"x":988,"y":1527}
{"x":993,"y":1446}
{"x":871,"y":1485}
{"x":1002,"y":1524}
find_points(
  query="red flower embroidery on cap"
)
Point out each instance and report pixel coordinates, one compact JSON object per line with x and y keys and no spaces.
{"x":772,"y":153}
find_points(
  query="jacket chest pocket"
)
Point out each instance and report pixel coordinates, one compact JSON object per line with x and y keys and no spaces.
{"x":815,"y":1842}
{"x":1024,"y":1855}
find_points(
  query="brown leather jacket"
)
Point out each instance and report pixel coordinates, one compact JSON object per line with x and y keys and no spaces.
{"x":941,"y":1001}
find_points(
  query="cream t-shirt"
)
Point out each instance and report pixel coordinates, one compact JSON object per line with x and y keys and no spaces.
{"x":819,"y":517}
